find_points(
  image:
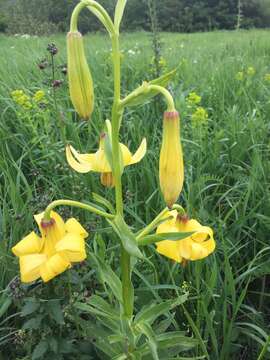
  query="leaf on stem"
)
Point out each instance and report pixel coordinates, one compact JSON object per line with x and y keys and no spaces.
{"x":119,"y":10}
{"x":174,"y":236}
{"x":127,"y":238}
{"x":141,"y":95}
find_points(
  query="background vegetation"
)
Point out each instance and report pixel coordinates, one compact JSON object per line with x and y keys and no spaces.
{"x":227,"y":167}
{"x":20,"y":16}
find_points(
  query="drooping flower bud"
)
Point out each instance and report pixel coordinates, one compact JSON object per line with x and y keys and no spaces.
{"x":79,"y":76}
{"x":171,"y":167}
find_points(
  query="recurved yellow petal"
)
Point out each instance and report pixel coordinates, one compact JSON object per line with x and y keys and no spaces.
{"x":126,"y":154}
{"x":30,"y":266}
{"x":73,"y":226}
{"x":140,"y":153}
{"x":54,"y":266}
{"x":31,"y":244}
{"x":81,"y":163}
{"x":73,"y":246}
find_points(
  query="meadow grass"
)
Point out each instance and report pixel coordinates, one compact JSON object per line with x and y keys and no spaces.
{"x":227,"y":177}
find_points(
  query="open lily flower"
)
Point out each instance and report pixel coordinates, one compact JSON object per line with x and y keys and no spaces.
{"x":195,"y":247}
{"x":97,"y":162}
{"x":60,"y":245}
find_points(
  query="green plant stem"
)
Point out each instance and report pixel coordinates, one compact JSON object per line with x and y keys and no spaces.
{"x":152,"y":225}
{"x":78,"y":204}
{"x":166,"y":94}
{"x":97,"y":9}
{"x":117,"y":113}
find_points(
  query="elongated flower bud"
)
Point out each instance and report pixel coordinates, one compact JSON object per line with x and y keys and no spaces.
{"x":79,"y":76}
{"x":171,"y":167}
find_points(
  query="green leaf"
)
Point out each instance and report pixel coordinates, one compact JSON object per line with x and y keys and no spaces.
{"x":103,"y":201}
{"x":108,"y":276}
{"x":127,"y":238}
{"x":151,"y":313}
{"x":4,"y":305}
{"x":119,"y":10}
{"x":30,"y":307}
{"x":108,"y":144}
{"x":141,"y":95}
{"x":40,"y":350}
{"x":55,"y":311}
{"x":151,"y":239}
{"x":33,"y":323}
{"x":148,"y":332}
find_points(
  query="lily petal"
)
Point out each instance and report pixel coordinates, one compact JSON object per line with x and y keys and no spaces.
{"x":31,"y":244}
{"x":55,"y":265}
{"x":169,"y":249}
{"x":73,"y":246}
{"x":51,"y":234}
{"x":30,"y":266}
{"x":73,"y":226}
{"x":139,"y":154}
{"x":81,"y":163}
{"x":126,"y":154}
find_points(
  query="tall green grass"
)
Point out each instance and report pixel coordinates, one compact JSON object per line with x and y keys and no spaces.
{"x":227,"y":167}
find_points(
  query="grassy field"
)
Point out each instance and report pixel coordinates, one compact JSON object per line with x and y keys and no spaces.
{"x":227,"y":167}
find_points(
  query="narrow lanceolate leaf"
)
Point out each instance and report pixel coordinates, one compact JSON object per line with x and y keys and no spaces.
{"x":119,"y":10}
{"x":149,"y":333}
{"x":174,"y":236}
{"x":127,"y":238}
{"x":151,"y":313}
{"x":141,"y":95}
{"x":108,"y":276}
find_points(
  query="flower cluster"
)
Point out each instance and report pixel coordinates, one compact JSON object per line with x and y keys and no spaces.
{"x":247,"y":73}
{"x":199,"y":117}
{"x":20,"y":98}
{"x":194,"y":99}
{"x":27,"y":102}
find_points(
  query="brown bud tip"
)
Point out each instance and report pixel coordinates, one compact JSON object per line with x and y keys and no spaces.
{"x":45,"y":224}
{"x":183,"y":218}
{"x":170,"y":115}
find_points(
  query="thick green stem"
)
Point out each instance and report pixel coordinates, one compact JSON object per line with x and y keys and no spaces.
{"x":117,"y":113}
{"x":75,"y":204}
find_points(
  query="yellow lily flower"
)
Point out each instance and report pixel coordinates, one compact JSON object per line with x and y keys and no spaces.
{"x":97,"y":162}
{"x":60,"y":245}
{"x":195,"y":247}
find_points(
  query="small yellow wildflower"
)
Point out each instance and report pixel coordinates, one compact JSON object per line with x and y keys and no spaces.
{"x":39,"y":96}
{"x":267,"y":77}
{"x":21,"y":99}
{"x":251,"y":71}
{"x":194,"y":99}
{"x":239,"y":76}
{"x":200,"y":116}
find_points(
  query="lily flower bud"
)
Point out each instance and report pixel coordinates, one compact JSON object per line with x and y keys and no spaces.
{"x":171,"y":166}
{"x":79,"y":76}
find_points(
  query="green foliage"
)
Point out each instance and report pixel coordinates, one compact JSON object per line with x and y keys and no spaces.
{"x":226,"y":312}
